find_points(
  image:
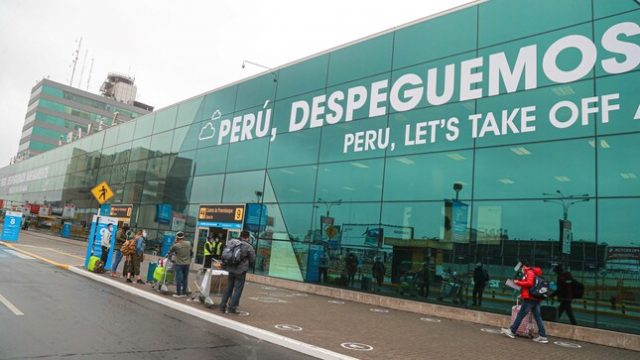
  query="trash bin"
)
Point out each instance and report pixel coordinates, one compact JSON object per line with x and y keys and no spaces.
{"x":66,"y":230}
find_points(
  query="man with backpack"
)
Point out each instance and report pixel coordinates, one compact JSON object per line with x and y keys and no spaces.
{"x":529,"y":304}
{"x":480,"y":279}
{"x":565,"y":293}
{"x":121,"y":238}
{"x":237,"y":256}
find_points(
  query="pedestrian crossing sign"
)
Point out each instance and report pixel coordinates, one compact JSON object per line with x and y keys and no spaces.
{"x":102,"y":192}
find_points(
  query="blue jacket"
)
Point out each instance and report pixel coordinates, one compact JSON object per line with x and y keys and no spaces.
{"x":140,"y":245}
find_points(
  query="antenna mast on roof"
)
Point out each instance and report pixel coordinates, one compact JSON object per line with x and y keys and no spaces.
{"x":84,"y":62}
{"x":75,"y":61}
{"x":89,"y":76}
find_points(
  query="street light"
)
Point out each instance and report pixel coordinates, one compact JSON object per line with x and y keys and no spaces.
{"x":565,"y":201}
{"x":247,"y":62}
{"x":329,"y":204}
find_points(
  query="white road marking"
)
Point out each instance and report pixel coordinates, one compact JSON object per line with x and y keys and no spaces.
{"x":18,"y":254}
{"x":10,"y":306}
{"x":262,"y":334}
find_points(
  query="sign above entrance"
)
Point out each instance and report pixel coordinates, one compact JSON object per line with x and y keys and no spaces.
{"x":222,"y":216}
{"x":102,"y":192}
{"x":121,"y":211}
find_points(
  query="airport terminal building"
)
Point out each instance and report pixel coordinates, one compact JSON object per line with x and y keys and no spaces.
{"x":496,"y":132}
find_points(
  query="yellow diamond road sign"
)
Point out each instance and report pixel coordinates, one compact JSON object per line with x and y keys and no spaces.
{"x":102,"y":192}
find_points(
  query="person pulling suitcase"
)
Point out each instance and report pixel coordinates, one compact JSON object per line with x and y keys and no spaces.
{"x":529,"y":304}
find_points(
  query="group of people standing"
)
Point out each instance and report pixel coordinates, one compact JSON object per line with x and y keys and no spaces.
{"x":128,"y":245}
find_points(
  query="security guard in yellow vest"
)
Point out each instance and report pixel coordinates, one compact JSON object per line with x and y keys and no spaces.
{"x":208,"y":252}
{"x":217,"y":248}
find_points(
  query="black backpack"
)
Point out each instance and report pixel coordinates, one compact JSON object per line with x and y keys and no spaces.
{"x":542,"y":288}
{"x":231,"y":255}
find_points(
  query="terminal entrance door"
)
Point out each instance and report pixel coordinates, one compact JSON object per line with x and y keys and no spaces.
{"x":222,"y":220}
{"x":202,"y":233}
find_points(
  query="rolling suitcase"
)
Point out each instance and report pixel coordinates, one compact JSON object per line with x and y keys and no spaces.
{"x":526,"y":327}
{"x":153,"y":265}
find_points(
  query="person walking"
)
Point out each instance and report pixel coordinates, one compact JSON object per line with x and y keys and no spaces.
{"x":323,"y":267}
{"x":182,"y":251}
{"x":378,"y":270}
{"x":121,"y":237}
{"x":351,"y":265}
{"x":208,"y":253}
{"x":137,"y":257}
{"x":529,"y":304}
{"x":105,"y":242}
{"x":237,"y":271}
{"x":565,"y":293}
{"x":480,"y":279}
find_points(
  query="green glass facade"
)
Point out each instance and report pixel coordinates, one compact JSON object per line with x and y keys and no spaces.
{"x":470,"y":137}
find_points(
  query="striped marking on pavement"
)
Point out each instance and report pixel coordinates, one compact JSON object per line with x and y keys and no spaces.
{"x":56,"y":264}
{"x":10,"y":306}
{"x":17,"y":254}
{"x":55,"y":250}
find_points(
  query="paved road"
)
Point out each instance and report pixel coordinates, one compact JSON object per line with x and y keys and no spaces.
{"x":68,"y":316}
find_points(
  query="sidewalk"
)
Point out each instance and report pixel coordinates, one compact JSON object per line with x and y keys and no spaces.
{"x":374,"y":332}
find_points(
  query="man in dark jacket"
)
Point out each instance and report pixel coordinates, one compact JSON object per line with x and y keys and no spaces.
{"x":565,"y":293}
{"x":529,"y":303}
{"x":480,"y":279}
{"x":237,"y":272}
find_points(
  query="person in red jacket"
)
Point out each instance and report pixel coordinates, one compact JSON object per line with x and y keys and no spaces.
{"x":529,"y":303}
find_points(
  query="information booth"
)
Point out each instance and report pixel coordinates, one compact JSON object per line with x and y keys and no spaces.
{"x":222,"y":220}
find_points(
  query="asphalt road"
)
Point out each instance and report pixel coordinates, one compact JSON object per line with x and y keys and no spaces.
{"x":67,"y":316}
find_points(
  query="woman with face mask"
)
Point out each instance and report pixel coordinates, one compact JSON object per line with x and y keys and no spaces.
{"x":137,"y":257}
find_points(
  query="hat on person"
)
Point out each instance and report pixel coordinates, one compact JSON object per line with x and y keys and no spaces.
{"x":179,"y":235}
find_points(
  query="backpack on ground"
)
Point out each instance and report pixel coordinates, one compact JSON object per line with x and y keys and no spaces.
{"x":542,"y":288}
{"x":98,"y":267}
{"x":231,"y":255}
{"x":577,"y":289}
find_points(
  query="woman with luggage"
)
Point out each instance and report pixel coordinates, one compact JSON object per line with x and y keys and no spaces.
{"x":529,"y":304}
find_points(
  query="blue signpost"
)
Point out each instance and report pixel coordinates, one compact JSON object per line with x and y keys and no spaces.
{"x":95,"y":237}
{"x":167,"y":241}
{"x":313,"y":263}
{"x":11,"y":227}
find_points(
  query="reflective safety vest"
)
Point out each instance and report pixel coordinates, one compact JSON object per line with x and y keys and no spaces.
{"x":208,"y":248}
{"x":218,"y":248}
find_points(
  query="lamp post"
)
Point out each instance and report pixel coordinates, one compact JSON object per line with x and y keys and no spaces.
{"x":329,"y":204}
{"x":247,"y":62}
{"x":565,"y":201}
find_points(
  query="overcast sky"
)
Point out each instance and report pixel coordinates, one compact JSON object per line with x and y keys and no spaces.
{"x":175,"y":49}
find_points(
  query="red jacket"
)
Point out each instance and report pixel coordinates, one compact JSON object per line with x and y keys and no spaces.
{"x":527,"y":281}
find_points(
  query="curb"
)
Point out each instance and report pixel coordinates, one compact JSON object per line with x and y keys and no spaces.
{"x":249,"y":330}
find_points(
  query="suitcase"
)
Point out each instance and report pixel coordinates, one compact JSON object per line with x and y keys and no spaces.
{"x":526,"y":327}
{"x":150,"y":271}
{"x":549,"y":313}
{"x":91,"y":266}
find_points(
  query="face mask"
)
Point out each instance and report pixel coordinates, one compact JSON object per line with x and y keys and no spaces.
{"x":144,"y":233}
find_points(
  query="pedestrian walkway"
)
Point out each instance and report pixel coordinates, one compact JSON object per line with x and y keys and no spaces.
{"x":353,"y":328}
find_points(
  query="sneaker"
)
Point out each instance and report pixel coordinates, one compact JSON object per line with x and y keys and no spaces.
{"x":541,"y":340}
{"x":508,"y":332}
{"x":232,"y":312}
{"x":129,"y":281}
{"x":179,"y":296}
{"x":140,"y":282}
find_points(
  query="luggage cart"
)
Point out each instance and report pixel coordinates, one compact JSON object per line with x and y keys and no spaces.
{"x":452,"y":290}
{"x":165,"y":268}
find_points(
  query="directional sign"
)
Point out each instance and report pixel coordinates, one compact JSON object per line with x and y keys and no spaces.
{"x":102,"y":192}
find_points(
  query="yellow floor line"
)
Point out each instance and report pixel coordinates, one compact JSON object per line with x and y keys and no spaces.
{"x":56,"y":264}
{"x":55,"y":250}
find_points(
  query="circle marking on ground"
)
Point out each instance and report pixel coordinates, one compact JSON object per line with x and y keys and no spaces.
{"x":336,"y":302}
{"x":379,"y":310}
{"x":567,"y":344}
{"x":491,"y":331}
{"x":268,"y":288}
{"x":430,"y":320}
{"x":356,"y":346}
{"x":288,"y":327}
{"x":243,"y":313}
